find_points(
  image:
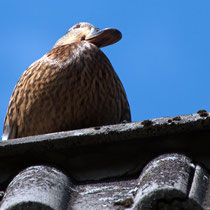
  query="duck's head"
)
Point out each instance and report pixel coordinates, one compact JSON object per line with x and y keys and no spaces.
{"x":87,"y":32}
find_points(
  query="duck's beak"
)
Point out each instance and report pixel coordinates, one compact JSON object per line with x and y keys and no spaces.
{"x":105,"y":37}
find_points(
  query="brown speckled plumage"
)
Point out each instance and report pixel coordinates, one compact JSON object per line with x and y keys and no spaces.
{"x":73,"y":86}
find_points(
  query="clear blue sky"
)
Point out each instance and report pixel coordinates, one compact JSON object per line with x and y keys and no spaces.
{"x":163,"y":59}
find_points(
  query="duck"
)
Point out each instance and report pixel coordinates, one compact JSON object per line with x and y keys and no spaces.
{"x":73,"y":86}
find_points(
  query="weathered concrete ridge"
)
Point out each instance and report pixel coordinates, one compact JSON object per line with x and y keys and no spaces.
{"x":103,"y":166}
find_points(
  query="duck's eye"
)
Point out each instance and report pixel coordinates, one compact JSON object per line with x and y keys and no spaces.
{"x":83,"y":37}
{"x":77,"y":26}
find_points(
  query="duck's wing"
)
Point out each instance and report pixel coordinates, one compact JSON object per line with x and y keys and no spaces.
{"x":41,"y":71}
{"x":10,"y":129}
{"x":9,"y":132}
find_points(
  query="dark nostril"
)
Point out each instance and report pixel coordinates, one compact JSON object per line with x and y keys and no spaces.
{"x":83,"y":37}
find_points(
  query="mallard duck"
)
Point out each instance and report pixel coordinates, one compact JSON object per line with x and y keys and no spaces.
{"x":73,"y":86}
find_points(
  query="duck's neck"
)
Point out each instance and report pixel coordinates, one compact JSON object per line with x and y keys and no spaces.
{"x":66,"y":39}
